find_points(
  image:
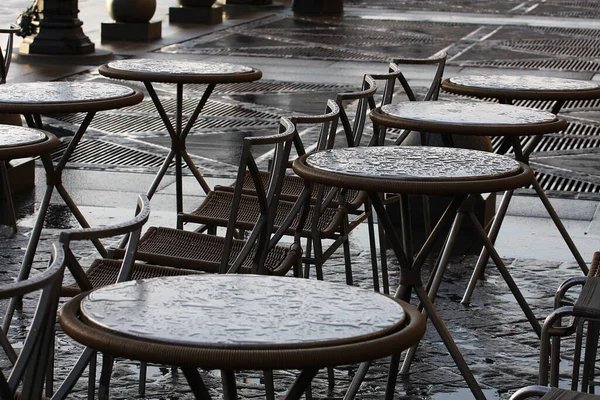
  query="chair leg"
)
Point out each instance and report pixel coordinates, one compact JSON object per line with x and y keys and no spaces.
{"x":346,"y":246}
{"x":373,"y":249}
{"x":577,"y":356}
{"x":589,"y":360}
{"x":318,"y":258}
{"x":307,"y":257}
{"x":269,"y":384}
{"x":142,"y":378}
{"x":107,"y":367}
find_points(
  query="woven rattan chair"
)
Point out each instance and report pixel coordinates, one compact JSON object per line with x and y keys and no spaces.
{"x":585,"y":309}
{"x":333,"y":222}
{"x":259,"y":252}
{"x":548,"y":393}
{"x":25,"y":378}
{"x":106,"y":271}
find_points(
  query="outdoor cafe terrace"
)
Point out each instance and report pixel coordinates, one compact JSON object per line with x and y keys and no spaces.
{"x":176,"y":148}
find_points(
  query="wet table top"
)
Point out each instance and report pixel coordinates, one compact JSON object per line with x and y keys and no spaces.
{"x":178,"y":71}
{"x":62,"y":97}
{"x":413,"y":169}
{"x":524,"y":87}
{"x":245,"y":313}
{"x":468,"y":118}
{"x":19,"y":142}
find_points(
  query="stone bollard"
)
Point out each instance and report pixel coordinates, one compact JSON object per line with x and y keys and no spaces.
{"x":318,"y":7}
{"x":197,"y":12}
{"x":131,"y":21}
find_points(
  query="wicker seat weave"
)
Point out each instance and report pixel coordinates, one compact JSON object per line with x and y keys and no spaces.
{"x":215,"y":210}
{"x":202,"y":252}
{"x":103,"y":272}
{"x":292,"y":187}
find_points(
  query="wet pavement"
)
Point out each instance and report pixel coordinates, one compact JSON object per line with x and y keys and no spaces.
{"x":305,"y":61}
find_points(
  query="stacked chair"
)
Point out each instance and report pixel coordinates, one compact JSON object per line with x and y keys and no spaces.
{"x":327,"y":218}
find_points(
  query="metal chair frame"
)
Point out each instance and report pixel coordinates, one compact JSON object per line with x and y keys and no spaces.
{"x":32,"y":366}
{"x":586,"y":308}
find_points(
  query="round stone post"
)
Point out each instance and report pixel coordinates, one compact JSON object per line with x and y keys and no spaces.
{"x":59,"y":31}
{"x":318,"y":7}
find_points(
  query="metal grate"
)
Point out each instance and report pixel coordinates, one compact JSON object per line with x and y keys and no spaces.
{"x":121,"y":123}
{"x":100,"y":152}
{"x":562,"y":47}
{"x":211,"y":109}
{"x":576,"y":136}
{"x":560,"y":183}
{"x":553,"y":64}
{"x":292,"y":51}
{"x":265,"y":86}
{"x":593,"y":33}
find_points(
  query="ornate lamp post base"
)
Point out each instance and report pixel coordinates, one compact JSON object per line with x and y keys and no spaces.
{"x":59,"y":31}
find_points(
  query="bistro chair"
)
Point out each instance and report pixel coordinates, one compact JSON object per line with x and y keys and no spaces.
{"x":30,"y":364}
{"x":584,"y":310}
{"x":260,"y":251}
{"x":333,"y":222}
{"x":106,"y":271}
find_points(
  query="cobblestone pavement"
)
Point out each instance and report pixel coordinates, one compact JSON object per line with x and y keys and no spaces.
{"x":495,"y":338}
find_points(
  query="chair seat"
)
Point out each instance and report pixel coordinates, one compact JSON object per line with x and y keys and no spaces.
{"x":293,"y":186}
{"x":103,"y":272}
{"x":202,"y":252}
{"x":216,"y":207}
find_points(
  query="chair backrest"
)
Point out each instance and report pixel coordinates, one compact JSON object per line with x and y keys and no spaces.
{"x":362,"y":102}
{"x":431,"y":71}
{"x":6,"y":55}
{"x":131,"y":228}
{"x":437,"y":62}
{"x":259,"y":243}
{"x":30,"y":364}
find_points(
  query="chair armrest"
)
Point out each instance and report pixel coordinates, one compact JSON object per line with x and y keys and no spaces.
{"x":112,"y":230}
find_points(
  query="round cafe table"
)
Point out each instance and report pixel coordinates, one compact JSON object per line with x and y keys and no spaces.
{"x":20,"y":142}
{"x":240,"y":322}
{"x":483,"y":119}
{"x":409,"y":170}
{"x":32,"y":99}
{"x":180,"y":73}
{"x":509,"y":88}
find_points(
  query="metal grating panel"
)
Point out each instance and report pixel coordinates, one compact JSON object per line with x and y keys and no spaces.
{"x":563,"y":47}
{"x":264,"y":86}
{"x":99,"y":152}
{"x":576,"y":136}
{"x":292,"y":51}
{"x":554,"y":64}
{"x":564,"y":184}
{"x":210,"y":109}
{"x":120,"y":123}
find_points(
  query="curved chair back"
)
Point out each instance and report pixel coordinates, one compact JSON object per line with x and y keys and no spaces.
{"x":30,"y":364}
{"x":132,"y":228}
{"x":268,"y":195}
